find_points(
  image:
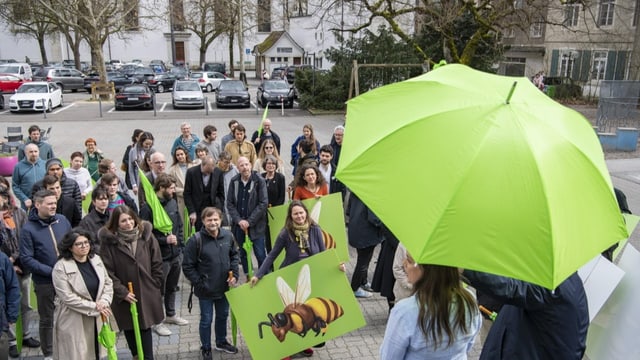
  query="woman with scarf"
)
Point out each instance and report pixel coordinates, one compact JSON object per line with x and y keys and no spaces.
{"x":136,"y":159}
{"x":131,"y":254}
{"x":300,"y":238}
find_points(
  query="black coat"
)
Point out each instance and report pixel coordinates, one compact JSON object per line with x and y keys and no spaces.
{"x":169,"y":252}
{"x":194,"y":190}
{"x":67,"y":207}
{"x":535,"y":322}
{"x":69,"y":188}
{"x":273,"y":136}
{"x":364,"y":225}
{"x":276,"y":189}
{"x":257,"y":205}
{"x":208,"y":268}
{"x":93,"y":222}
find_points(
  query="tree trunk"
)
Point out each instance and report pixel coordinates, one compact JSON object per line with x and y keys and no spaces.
{"x":203,"y":51}
{"x":231,"y":62}
{"x":43,"y":50}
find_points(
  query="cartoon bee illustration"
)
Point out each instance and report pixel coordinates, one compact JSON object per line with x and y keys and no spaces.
{"x":329,"y":242}
{"x":301,"y":315}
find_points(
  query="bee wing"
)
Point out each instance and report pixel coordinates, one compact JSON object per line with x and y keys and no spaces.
{"x":303,"y":288}
{"x":315,"y":212}
{"x":286,"y":294}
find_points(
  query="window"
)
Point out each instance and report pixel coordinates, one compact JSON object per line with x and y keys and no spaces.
{"x":509,"y":33}
{"x":131,"y":15}
{"x":518,"y":4}
{"x":537,"y":28}
{"x":566,"y":64}
{"x":514,"y":66}
{"x":599,"y":65}
{"x":605,"y":13}
{"x":177,"y":7}
{"x":635,"y":13}
{"x":264,"y":16}
{"x":286,"y":50}
{"x":571,"y":14}
{"x":298,"y":8}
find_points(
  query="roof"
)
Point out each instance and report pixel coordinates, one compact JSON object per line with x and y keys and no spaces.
{"x":272,"y":40}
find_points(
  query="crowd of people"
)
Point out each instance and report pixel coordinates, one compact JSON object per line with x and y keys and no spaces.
{"x":90,"y":265}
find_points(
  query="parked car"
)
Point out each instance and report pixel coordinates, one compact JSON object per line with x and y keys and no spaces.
{"x":9,"y":83}
{"x":118,"y":79}
{"x":232,"y":93}
{"x":65,"y":78}
{"x":128,"y":69}
{"x":69,"y":63}
{"x":143,"y":74}
{"x":180,"y":72}
{"x":275,"y":92}
{"x":162,"y":82}
{"x":215,"y":66}
{"x":116,"y":64}
{"x":36,"y":96}
{"x":208,"y":80}
{"x":291,"y":71}
{"x":278,"y":73}
{"x":22,"y":70}
{"x":187,"y":93}
{"x":135,"y":96}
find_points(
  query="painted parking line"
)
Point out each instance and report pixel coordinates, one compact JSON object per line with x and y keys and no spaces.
{"x":64,"y":108}
{"x":210,"y":105}
{"x":164,"y":105}
{"x":111,"y":110}
{"x":5,"y":111}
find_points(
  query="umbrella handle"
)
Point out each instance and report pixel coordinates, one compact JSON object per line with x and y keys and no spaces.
{"x":130,"y":286}
{"x":104,"y":318}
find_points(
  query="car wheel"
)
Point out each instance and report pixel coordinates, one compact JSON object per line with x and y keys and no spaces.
{"x":49,"y":106}
{"x":209,"y":88}
{"x":160,"y":88}
{"x":61,"y":87}
{"x":1,"y":102}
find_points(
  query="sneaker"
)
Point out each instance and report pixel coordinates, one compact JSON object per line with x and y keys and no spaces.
{"x":176,"y":320}
{"x":13,"y":351}
{"x":206,"y":354}
{"x":226,"y":347}
{"x":366,"y":287}
{"x":162,"y":330}
{"x":31,"y":343}
{"x":319,"y":345}
{"x":362,"y":293}
{"x":307,"y":352}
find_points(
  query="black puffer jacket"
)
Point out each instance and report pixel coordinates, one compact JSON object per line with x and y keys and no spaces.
{"x":208,"y":268}
{"x":171,"y":207}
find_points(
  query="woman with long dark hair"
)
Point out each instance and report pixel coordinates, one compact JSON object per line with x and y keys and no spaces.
{"x":309,"y":183}
{"x":132,"y":254}
{"x":440,"y":320}
{"x":84,"y":292}
{"x":136,"y":159}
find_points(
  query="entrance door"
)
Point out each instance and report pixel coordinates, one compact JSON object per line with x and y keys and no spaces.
{"x":180,"y":51}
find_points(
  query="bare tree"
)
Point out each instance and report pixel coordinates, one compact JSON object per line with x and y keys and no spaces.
{"x":24,"y":17}
{"x":202,"y":17}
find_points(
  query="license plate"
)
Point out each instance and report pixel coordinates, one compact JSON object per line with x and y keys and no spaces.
{"x":234,"y":100}
{"x":132,"y":99}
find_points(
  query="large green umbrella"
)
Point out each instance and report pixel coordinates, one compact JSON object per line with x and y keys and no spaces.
{"x":482,"y":171}
{"x":107,"y":338}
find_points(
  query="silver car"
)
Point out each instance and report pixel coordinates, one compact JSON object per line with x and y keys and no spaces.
{"x":208,"y":80}
{"x":187,"y":93}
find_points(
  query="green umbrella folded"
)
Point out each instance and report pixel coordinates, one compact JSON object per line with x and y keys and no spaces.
{"x":107,"y":338}
{"x":136,"y":325}
{"x":161,"y":220}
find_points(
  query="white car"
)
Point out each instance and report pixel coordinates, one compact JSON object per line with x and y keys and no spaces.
{"x":36,"y":96}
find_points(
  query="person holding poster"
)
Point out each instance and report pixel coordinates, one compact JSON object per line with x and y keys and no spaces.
{"x":300,"y":238}
{"x":440,"y":320}
{"x":211,"y":264}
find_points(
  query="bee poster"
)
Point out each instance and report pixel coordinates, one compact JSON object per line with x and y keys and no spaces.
{"x":327,"y":211}
{"x":296,"y":307}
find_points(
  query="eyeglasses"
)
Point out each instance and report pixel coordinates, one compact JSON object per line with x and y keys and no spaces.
{"x":268,"y":147}
{"x":159,"y":162}
{"x":81,"y":244}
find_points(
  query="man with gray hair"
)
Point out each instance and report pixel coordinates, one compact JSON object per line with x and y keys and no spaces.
{"x":26,"y":173}
{"x":267,"y":133}
{"x":336,"y":143}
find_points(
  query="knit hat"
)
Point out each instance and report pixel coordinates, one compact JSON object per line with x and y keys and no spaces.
{"x":53,"y":161}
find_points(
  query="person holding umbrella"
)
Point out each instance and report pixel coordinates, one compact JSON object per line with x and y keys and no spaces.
{"x":84,"y":292}
{"x":132,"y":254}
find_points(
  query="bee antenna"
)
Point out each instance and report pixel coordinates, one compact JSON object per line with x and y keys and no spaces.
{"x":260,"y":325}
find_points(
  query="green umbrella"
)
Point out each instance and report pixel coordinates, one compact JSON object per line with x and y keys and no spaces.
{"x":161,"y":220}
{"x":107,"y":337}
{"x":248,"y":247}
{"x":136,"y":325}
{"x":482,"y":171}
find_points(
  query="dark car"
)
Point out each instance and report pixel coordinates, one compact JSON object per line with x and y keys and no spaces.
{"x":142,"y":75}
{"x":118,"y":79}
{"x":65,"y":78}
{"x":215,"y":66}
{"x":232,"y":93}
{"x":135,"y":96}
{"x":162,"y":82}
{"x":275,"y":92}
{"x":278,"y":73}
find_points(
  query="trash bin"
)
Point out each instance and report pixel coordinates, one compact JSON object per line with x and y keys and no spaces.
{"x":551,"y":91}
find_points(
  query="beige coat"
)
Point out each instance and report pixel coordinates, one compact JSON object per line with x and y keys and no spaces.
{"x":76,"y":320}
{"x":176,"y":172}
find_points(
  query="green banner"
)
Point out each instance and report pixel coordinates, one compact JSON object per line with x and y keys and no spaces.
{"x":301,"y":305}
{"x":327,"y":211}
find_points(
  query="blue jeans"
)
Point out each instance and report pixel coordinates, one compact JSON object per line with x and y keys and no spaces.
{"x":206,"y":316}
{"x":258,"y":250}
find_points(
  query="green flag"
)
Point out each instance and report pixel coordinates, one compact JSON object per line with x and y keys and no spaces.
{"x":264,"y":116}
{"x":161,"y":220}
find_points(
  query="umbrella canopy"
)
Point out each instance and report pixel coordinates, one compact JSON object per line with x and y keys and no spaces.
{"x":468,"y":169}
{"x":161,"y":220}
{"x":107,"y":338}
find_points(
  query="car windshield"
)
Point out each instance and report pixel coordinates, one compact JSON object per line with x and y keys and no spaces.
{"x":232,"y":85}
{"x":144,"y":70}
{"x":33,"y":89}
{"x":8,"y":78}
{"x":9,"y":69}
{"x":135,"y":90}
{"x":276,"y":85}
{"x":188,"y":86}
{"x":195,"y":75}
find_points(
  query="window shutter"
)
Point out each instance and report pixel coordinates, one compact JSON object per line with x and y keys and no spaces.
{"x":555,"y":55}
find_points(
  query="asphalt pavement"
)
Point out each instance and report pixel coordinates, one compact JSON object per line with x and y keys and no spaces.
{"x":81,"y":119}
